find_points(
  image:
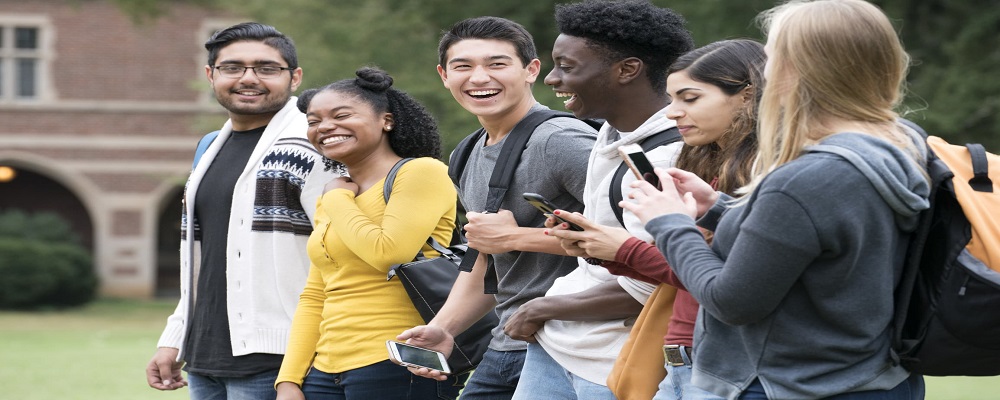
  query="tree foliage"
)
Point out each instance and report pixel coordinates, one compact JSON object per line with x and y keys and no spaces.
{"x":955,"y":47}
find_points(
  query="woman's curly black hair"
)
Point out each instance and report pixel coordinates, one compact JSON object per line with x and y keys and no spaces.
{"x":414,"y":132}
{"x":630,"y":28}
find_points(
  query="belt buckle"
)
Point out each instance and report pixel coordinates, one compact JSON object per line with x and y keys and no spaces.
{"x":672,"y":355}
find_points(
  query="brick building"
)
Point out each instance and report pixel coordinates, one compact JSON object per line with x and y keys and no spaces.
{"x":99,"y":116}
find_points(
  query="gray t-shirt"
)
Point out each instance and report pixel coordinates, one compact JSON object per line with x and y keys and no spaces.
{"x":554,"y":165}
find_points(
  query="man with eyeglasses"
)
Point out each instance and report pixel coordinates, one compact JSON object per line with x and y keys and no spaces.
{"x":247,"y":213}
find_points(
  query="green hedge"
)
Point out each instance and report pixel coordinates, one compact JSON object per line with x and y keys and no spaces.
{"x":42,"y":264}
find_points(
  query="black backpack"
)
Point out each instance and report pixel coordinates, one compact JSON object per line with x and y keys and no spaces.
{"x":503,"y":172}
{"x":947,"y":319}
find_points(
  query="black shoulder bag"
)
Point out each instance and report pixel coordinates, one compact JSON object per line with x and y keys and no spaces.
{"x":428,"y":282}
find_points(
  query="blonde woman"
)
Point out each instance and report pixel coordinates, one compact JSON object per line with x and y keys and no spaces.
{"x":796,"y":288}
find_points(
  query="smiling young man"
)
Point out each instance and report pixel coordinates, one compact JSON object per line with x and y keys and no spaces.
{"x":610,"y":61}
{"x":247,"y":214}
{"x":489,"y":64}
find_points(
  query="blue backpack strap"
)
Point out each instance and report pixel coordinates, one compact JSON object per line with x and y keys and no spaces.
{"x":648,"y":144}
{"x":202,"y":146}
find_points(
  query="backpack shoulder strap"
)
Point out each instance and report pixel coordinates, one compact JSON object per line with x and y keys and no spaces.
{"x":649,"y":143}
{"x":503,"y":174}
{"x":460,"y":156}
{"x":940,"y":179}
{"x":510,"y":155}
{"x":202,"y":146}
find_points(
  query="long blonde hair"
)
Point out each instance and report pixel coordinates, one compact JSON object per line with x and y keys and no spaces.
{"x":829,"y":60}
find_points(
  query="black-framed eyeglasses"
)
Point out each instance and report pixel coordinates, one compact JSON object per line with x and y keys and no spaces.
{"x":262,"y":71}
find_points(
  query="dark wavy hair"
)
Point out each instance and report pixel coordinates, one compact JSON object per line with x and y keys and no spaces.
{"x":252,"y":31}
{"x":631,"y":28}
{"x":414,"y":132}
{"x":732,"y":66}
{"x":494,"y":28}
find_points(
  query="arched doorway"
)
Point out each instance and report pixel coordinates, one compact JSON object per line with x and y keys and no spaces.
{"x":24,"y":189}
{"x":168,"y":243}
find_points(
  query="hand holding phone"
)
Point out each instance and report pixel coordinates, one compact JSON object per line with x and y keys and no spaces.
{"x":409,"y":355}
{"x":636,"y":160}
{"x":548,"y":209}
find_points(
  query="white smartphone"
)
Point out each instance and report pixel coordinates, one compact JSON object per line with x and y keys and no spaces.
{"x":636,"y":160}
{"x":412,"y":356}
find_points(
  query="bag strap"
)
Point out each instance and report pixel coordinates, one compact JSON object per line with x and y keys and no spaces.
{"x":202,"y":146}
{"x":940,"y":176}
{"x":648,"y":144}
{"x":460,"y":156}
{"x":390,"y":179}
{"x":503,"y":174}
{"x":980,"y":180}
{"x":510,"y":155}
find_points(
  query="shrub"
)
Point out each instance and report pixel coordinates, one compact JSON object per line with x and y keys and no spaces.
{"x":42,"y":264}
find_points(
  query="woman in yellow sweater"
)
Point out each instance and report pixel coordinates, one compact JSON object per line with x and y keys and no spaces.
{"x":348,"y":309}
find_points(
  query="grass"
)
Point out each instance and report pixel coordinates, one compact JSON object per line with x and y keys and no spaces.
{"x":100,"y":352}
{"x":96,"y":352}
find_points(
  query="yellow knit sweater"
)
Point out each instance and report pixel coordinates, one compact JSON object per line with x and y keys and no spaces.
{"x":348,"y":310}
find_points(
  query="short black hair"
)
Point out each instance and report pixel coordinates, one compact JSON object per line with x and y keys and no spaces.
{"x":252,"y":31}
{"x":414,"y":132}
{"x":494,"y":28}
{"x":630,"y":28}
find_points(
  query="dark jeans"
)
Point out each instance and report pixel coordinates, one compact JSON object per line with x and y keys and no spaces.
{"x":383,"y":381}
{"x":910,"y":389}
{"x":495,"y":378}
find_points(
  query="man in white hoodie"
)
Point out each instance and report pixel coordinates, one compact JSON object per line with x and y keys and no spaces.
{"x":247,"y":213}
{"x":610,"y":60}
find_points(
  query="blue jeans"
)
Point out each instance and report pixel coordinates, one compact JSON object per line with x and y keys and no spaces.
{"x":677,"y":385}
{"x":382,"y":380}
{"x":495,"y":378}
{"x":910,"y":389}
{"x":254,"y":387}
{"x":543,"y":378}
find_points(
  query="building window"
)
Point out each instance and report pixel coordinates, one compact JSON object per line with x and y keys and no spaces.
{"x":21,"y":59}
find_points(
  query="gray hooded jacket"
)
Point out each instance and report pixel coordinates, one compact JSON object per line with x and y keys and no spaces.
{"x":797,"y":287}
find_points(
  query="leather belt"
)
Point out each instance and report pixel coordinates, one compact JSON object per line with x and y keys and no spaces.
{"x":672,"y":354}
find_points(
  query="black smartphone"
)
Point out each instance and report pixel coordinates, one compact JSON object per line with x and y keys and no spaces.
{"x":548,"y":209}
{"x":636,"y":160}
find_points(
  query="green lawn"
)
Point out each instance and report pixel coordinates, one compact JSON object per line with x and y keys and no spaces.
{"x":100,"y":352}
{"x":96,"y":352}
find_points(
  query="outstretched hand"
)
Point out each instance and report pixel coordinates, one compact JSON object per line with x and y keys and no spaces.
{"x":596,"y":240}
